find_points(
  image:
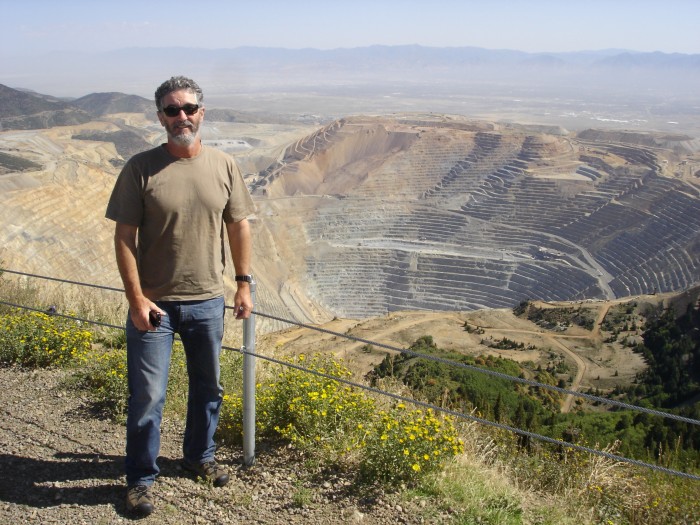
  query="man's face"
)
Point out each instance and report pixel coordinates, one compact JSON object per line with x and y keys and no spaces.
{"x":182,"y":129}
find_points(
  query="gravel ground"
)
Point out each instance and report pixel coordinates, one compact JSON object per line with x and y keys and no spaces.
{"x":61,"y":464}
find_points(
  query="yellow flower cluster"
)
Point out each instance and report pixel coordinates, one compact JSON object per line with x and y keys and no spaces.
{"x":312,"y":410}
{"x":335,"y":420}
{"x":36,"y":339}
{"x":409,"y":443}
{"x":306,"y":409}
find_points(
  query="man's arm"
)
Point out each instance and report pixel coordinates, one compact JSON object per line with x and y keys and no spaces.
{"x":125,"y":248}
{"x":239,"y":240}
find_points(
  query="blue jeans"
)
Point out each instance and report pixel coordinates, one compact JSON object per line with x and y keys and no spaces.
{"x":200,"y":325}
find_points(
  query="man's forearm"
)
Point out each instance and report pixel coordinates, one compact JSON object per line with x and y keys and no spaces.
{"x":125,"y":251}
{"x":239,"y":240}
{"x":240,"y":243}
{"x":140,"y":306}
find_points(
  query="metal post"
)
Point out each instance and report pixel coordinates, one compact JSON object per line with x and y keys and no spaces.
{"x":248,"y":351}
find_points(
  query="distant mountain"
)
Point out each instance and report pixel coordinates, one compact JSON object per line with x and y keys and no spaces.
{"x":385,"y":62}
{"x":26,"y":110}
{"x":16,"y":103}
{"x":607,"y":86}
{"x":44,"y":96}
{"x":99,"y":104}
{"x":673,"y":61}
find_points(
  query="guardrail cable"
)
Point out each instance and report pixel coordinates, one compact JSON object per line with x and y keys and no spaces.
{"x":493,"y":373}
{"x":99,"y":286}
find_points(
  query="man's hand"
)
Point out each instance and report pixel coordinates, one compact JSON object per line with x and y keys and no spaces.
{"x":140,"y":313}
{"x":242,"y":302}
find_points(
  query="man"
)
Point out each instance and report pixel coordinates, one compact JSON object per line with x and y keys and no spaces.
{"x":172,"y":205}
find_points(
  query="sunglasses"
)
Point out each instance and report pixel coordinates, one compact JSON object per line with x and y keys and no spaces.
{"x":174,"y":111}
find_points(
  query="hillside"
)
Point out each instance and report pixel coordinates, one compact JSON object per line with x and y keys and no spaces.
{"x":68,"y":461}
{"x":442,"y":213}
{"x":598,"y":357}
{"x":23,"y":110}
{"x":99,"y":104}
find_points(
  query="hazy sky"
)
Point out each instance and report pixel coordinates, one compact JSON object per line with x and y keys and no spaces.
{"x":37,"y":26}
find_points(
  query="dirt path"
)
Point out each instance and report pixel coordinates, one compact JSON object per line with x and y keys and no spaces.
{"x":556,"y":341}
{"x":602,"y":312}
{"x":394,"y":330}
{"x":580,"y":373}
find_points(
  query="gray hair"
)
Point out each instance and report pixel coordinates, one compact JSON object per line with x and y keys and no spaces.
{"x":176,"y":84}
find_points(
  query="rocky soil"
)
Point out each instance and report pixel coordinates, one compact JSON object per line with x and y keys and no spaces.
{"x":59,"y":463}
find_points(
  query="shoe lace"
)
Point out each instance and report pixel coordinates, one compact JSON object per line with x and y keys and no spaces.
{"x":211,"y":468}
{"x":139,"y":490}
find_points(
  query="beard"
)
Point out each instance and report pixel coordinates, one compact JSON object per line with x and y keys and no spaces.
{"x":182,"y":138}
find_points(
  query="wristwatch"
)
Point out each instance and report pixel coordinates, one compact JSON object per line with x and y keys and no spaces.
{"x":246,"y":278}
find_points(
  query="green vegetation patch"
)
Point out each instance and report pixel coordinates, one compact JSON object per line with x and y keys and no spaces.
{"x":557,"y":318}
{"x":442,"y":383}
{"x":671,"y":383}
{"x":621,"y":318}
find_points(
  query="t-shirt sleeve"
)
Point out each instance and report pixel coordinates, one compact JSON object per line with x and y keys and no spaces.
{"x":240,"y":204}
{"x":126,"y":202}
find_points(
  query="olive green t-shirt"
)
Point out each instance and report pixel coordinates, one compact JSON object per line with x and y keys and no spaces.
{"x":180,"y":207}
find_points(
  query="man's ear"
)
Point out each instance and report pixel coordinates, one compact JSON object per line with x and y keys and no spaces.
{"x":161,"y":118}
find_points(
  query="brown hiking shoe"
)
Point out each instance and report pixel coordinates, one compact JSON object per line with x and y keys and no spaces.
{"x":209,"y":470}
{"x":139,"y":500}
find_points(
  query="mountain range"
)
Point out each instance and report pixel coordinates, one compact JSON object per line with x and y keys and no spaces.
{"x":138,"y":70}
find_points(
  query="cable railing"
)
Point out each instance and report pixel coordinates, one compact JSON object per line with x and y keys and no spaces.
{"x":249,"y":354}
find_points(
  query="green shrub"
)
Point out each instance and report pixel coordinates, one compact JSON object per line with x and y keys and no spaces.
{"x":105,"y":379}
{"x":335,"y":422}
{"x":405,"y":445}
{"x":310,"y":411}
{"x":35,"y":339}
